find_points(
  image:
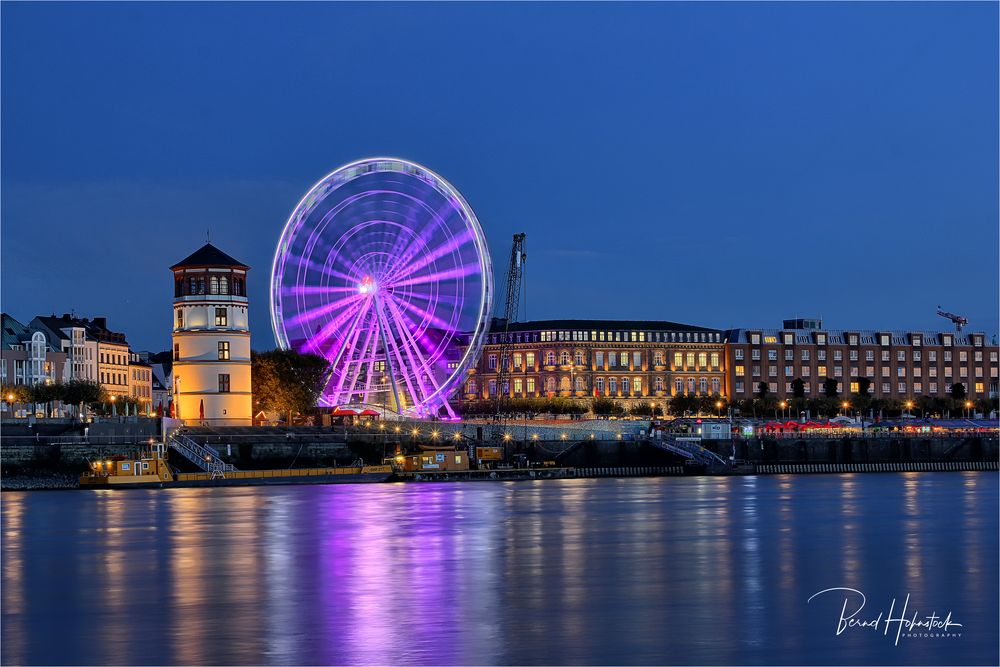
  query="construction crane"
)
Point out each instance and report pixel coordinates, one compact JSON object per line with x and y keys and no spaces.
{"x":958,"y":320}
{"x":515,"y":272}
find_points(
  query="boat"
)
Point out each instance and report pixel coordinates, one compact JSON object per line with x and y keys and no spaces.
{"x":150,"y":469}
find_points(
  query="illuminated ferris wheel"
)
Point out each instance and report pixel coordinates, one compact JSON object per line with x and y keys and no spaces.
{"x":383,"y":269}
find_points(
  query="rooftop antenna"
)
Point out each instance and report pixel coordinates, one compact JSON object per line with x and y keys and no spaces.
{"x":208,"y":235}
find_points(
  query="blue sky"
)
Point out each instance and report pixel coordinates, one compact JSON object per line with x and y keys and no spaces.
{"x":718,"y":164}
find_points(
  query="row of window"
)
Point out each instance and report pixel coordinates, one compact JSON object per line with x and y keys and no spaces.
{"x":739,"y":370}
{"x":611,"y":385}
{"x":902,"y":388}
{"x":221,"y":317}
{"x":195,"y":285}
{"x":113,"y":378}
{"x":119,"y":359}
{"x":619,"y":337}
{"x":838,"y":355}
{"x":884,"y":339}
{"x":223,"y":351}
{"x":689,"y":360}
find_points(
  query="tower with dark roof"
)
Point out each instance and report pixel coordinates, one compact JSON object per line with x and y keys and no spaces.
{"x":211,"y":353}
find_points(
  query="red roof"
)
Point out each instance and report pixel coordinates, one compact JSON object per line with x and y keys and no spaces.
{"x":342,"y":412}
{"x":369,"y":413}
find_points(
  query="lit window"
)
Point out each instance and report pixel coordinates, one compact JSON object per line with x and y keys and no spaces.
{"x":221,"y":317}
{"x":224,"y":350}
{"x":223,"y":383}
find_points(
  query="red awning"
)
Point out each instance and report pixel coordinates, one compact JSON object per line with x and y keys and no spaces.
{"x":369,"y":413}
{"x":341,"y":412}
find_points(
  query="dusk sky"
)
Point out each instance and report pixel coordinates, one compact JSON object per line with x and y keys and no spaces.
{"x":715,"y":164}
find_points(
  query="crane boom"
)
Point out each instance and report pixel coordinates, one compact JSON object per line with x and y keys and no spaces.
{"x":515,"y":271}
{"x":957,"y":320}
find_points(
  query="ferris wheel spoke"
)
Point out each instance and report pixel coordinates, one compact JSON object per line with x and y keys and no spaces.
{"x":313,"y":313}
{"x":407,"y":331}
{"x":306,"y":290}
{"x":357,"y":362}
{"x":447,"y":274}
{"x":452,"y":245}
{"x":425,"y":316}
{"x":401,"y":370}
{"x":332,"y":327}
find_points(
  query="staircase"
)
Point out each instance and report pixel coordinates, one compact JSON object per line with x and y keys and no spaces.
{"x":202,"y":456}
{"x":690,"y":449}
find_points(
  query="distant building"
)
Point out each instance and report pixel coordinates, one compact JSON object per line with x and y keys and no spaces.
{"x":629,"y":361}
{"x":900,"y":364}
{"x":95,"y":352}
{"x":140,"y":382}
{"x":27,"y":357}
{"x":211,"y":340}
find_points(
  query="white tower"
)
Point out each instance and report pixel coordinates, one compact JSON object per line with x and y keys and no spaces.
{"x":211,"y":365}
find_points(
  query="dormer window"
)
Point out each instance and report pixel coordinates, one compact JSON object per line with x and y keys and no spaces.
{"x":821,"y":339}
{"x":789,"y":338}
{"x":852,"y":339}
{"x":755,"y":339}
{"x":916,"y":340}
{"x":883,"y":340}
{"x":946,"y":340}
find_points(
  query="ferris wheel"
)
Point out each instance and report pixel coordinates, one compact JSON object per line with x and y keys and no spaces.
{"x":383,"y":269}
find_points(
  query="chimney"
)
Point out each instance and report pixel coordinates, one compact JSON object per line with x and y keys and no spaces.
{"x":101,"y":322}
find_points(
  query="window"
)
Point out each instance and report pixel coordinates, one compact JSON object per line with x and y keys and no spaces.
{"x":491,"y":388}
{"x":214,"y":285}
{"x":932,"y":387}
{"x":789,"y":355}
{"x":613,"y":385}
{"x":805,"y":355}
{"x":902,"y":387}
{"x":854,"y":355}
{"x":772,"y":355}
{"x":223,"y":285}
{"x":690,"y":385}
{"x":838,"y":371}
{"x":852,"y":339}
{"x":821,"y":355}
{"x":821,"y":371}
{"x":624,"y":359}
{"x":715,"y":360}
{"x":690,"y":359}
{"x":579,"y":384}
{"x":224,"y":350}
{"x":702,"y":360}
{"x":755,"y":339}
{"x":963,"y":355}
{"x":979,"y":387}
{"x":901,"y":355}
{"x":703,"y":385}
{"x":947,"y":355}
{"x":517,"y":359}
{"x":789,"y":370}
{"x":885,"y":355}
{"x":901,"y":372}
{"x":223,"y":383}
{"x":518,"y":386}
{"x":772,"y":371}
{"x":739,"y":388}
{"x":854,"y":387}
{"x":740,"y":370}
{"x":805,"y":371}
{"x":659,"y":384}
{"x":738,"y":355}
{"x":993,"y":356}
{"x":838,"y":355}
{"x":180,"y":318}
{"x":715,"y":386}
{"x":756,"y":371}
{"x":886,"y":388}
{"x":637,"y":360}
{"x":177,"y":351}
{"x":221,"y":317}
{"x":599,"y":384}
{"x":578,"y":358}
{"x":657,"y":358}
{"x":529,"y":358}
{"x":932,"y":371}
{"x":530,"y":385}
{"x":564,"y":358}
{"x":491,"y":362}
{"x":916,"y":355}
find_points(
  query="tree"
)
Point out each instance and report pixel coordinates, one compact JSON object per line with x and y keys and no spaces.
{"x":864,"y":385}
{"x":288,"y":381}
{"x":605,"y":407}
{"x":958,"y":391}
{"x":15,"y":394}
{"x":761,"y":390}
{"x":83,"y":393}
{"x":682,"y":403}
{"x":830,"y":388}
{"x":798,"y":388}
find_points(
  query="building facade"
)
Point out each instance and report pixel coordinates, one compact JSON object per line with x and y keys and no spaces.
{"x":69,"y":334}
{"x":140,"y":382}
{"x":900,"y":364}
{"x":26,"y":357}
{"x":629,"y":361}
{"x":211,"y":340}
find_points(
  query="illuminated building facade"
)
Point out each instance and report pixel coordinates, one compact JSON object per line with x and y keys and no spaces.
{"x":629,"y":361}
{"x":900,"y":364}
{"x":211,"y":340}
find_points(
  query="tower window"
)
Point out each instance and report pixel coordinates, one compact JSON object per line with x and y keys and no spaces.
{"x":224,"y":350}
{"x":180,"y":319}
{"x":223,"y":285}
{"x":177,"y":351}
{"x":215,"y":284}
{"x":223,"y":383}
{"x":221,"y":318}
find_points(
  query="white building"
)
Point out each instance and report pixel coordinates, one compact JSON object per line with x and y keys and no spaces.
{"x":211,"y":351}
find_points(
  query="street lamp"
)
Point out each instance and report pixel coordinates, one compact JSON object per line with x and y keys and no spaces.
{"x":783,"y":405}
{"x":968,"y":406}
{"x":718,"y":408}
{"x":909,"y":407}
{"x":845,"y":406}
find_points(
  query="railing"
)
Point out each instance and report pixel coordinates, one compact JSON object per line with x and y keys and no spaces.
{"x":690,"y":449}
{"x":204,"y":457}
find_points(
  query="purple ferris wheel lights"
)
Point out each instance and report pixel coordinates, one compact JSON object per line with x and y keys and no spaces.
{"x":380,"y":268}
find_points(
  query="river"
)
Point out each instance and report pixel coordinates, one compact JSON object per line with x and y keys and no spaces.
{"x":633,"y":571}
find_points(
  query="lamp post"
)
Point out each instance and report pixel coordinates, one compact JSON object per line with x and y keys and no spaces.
{"x":845,"y":405}
{"x":909,"y":407}
{"x":968,"y":407}
{"x":718,"y":408}
{"x":783,"y":405}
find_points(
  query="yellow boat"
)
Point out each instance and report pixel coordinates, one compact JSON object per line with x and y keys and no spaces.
{"x":150,"y":469}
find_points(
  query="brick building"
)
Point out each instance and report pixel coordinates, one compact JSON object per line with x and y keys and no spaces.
{"x":581,"y":359}
{"x":901,"y":364}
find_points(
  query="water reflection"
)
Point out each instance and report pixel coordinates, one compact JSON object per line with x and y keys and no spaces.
{"x":640,"y":571}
